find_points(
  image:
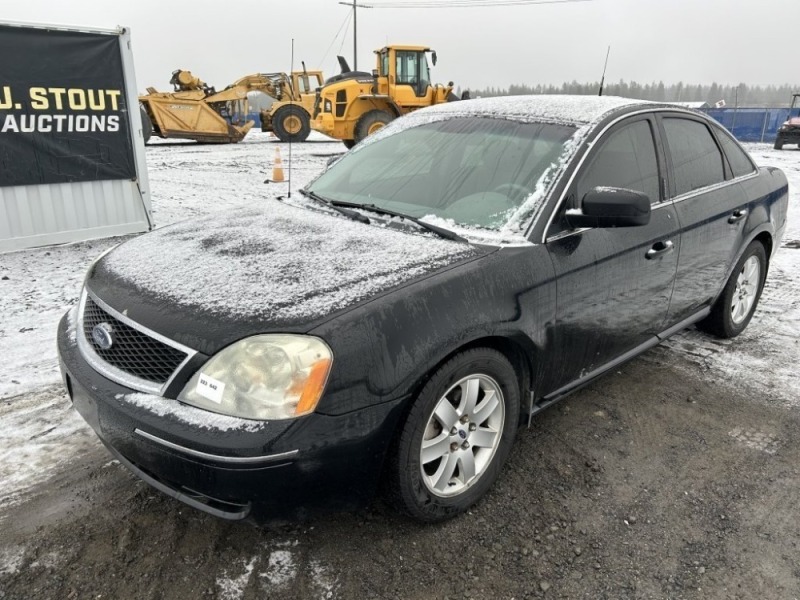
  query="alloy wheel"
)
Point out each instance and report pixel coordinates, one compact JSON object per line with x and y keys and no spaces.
{"x":462,"y":435}
{"x":744,"y":295}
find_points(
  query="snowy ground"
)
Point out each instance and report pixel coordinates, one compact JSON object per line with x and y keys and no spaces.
{"x":39,"y":433}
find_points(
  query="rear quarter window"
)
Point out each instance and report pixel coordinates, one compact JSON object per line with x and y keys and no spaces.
{"x":740,"y":163}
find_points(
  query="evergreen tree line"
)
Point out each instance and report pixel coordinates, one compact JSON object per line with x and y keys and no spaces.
{"x":743,"y":94}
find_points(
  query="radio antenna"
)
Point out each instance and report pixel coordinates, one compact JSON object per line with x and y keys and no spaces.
{"x":603,"y":78}
{"x":289,"y":165}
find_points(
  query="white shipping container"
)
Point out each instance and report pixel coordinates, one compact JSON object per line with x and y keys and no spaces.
{"x":56,"y":213}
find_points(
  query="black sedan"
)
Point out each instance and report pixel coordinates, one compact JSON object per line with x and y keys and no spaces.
{"x":395,"y":323}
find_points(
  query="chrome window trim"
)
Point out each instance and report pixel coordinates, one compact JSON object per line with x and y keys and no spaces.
{"x":580,"y":164}
{"x":672,"y":200}
{"x":110,"y":371}
{"x":565,"y":234}
{"x":240,"y":460}
{"x":713,"y":187}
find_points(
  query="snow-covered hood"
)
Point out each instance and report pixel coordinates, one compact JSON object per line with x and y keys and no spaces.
{"x":280,"y":266}
{"x":793,"y":122}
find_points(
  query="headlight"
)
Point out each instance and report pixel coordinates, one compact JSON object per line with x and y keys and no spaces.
{"x":271,"y":376}
{"x":328,"y":107}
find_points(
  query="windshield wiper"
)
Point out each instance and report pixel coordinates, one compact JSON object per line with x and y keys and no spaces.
{"x":356,"y":216}
{"x":440,"y":231}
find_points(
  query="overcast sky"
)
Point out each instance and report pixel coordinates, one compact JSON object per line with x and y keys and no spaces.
{"x":694,"y":41}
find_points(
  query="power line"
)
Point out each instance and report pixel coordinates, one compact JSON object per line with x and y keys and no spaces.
{"x":355,"y":29}
{"x":344,"y":33}
{"x":333,"y":41}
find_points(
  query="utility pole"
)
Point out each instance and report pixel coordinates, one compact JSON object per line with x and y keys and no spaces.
{"x":355,"y":30}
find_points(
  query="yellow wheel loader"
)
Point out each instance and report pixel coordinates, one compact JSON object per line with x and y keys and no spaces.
{"x":196,"y":111}
{"x":290,"y":119}
{"x":355,"y":104}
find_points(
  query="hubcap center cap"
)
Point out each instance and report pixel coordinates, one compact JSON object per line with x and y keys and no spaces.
{"x":460,"y":436}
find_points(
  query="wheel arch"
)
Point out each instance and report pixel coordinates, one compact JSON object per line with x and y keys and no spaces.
{"x":765,"y":237}
{"x":762,"y":235}
{"x":517,"y":348}
{"x":364,"y":104}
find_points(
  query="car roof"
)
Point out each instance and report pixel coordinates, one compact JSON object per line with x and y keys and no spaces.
{"x":566,"y":110}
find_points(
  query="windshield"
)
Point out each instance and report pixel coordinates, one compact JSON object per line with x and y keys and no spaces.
{"x":475,"y":171}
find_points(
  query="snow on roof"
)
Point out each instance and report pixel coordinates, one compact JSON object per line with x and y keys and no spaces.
{"x":578,"y":111}
{"x":691,"y":104}
{"x":566,"y":110}
{"x":277,"y":262}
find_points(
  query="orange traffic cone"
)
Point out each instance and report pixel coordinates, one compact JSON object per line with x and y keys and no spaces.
{"x":277,"y":167}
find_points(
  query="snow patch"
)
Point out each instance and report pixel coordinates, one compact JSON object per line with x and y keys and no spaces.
{"x":232,"y":588}
{"x":11,"y":560}
{"x":324,"y":583}
{"x":756,"y":440}
{"x":196,"y":417}
{"x":281,"y":568}
{"x":40,"y":434}
{"x":49,"y":560}
{"x":72,"y":325}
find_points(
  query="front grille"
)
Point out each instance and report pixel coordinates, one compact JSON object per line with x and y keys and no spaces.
{"x":132,"y":351}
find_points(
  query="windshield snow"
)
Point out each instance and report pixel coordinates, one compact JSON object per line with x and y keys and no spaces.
{"x":472,"y":171}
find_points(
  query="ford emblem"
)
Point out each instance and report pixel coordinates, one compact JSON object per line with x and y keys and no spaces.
{"x":103,"y":335}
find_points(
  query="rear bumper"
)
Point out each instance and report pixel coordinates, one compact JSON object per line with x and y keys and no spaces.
{"x":233,"y":469}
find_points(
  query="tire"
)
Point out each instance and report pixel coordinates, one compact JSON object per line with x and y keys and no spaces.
{"x":291,"y":123}
{"x":778,"y":143}
{"x":370,"y":122}
{"x":349,"y":143}
{"x":735,"y":307}
{"x":147,"y":124}
{"x":440,"y":486}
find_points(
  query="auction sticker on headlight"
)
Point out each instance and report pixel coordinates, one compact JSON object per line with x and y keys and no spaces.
{"x":210,"y":388}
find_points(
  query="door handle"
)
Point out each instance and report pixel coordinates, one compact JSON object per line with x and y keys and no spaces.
{"x":660,"y":249}
{"x":737,"y":215}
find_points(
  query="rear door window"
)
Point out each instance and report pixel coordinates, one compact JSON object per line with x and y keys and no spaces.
{"x":696,"y":158}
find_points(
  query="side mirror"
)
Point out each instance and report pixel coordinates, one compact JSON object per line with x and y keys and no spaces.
{"x":610,"y":207}
{"x":433,"y":58}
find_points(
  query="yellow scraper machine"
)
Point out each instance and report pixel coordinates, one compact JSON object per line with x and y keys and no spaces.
{"x":354,"y":104}
{"x":196,"y":111}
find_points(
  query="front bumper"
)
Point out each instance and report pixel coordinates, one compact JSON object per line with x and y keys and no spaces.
{"x":324,"y":123}
{"x":261,"y":470}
